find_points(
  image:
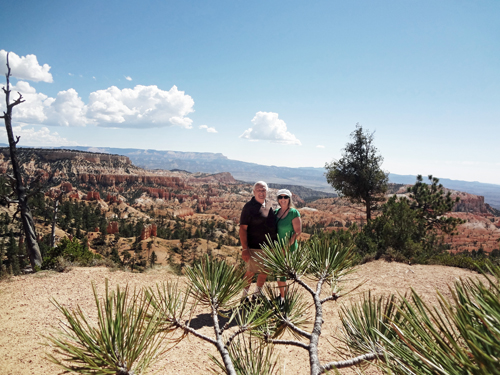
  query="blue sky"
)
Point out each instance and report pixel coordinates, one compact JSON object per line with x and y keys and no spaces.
{"x":272,"y":82}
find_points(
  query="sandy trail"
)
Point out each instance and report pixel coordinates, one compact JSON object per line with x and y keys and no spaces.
{"x":26,"y":313}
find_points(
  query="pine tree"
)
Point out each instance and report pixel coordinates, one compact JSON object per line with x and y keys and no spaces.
{"x":12,"y":253}
{"x":357,"y":175}
{"x":3,"y":253}
{"x":152,"y":259}
{"x":430,"y":202}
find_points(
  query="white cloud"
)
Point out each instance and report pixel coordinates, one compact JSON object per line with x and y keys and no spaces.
{"x":320,"y":146}
{"x":71,"y":74}
{"x":34,"y":107}
{"x":67,"y":109}
{"x":25,"y":67}
{"x":42,"y":137}
{"x":209,"y":130}
{"x":140,"y":107}
{"x":267,"y":126}
{"x":128,"y":78}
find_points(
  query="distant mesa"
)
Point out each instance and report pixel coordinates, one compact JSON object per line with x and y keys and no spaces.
{"x":205,"y":162}
{"x":51,"y":155}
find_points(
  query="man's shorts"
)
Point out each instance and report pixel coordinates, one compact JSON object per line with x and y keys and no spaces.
{"x":255,"y":264}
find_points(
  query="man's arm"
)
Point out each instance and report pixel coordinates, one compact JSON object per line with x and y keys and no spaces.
{"x":245,"y":254}
{"x":244,"y":236}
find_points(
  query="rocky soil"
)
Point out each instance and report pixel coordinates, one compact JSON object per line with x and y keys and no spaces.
{"x":27,"y":314}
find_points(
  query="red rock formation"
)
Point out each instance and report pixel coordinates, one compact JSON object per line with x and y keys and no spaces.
{"x":225,"y":177}
{"x":298,"y":201}
{"x":53,"y":193}
{"x":113,"y":179}
{"x":113,"y":199}
{"x":93,"y":196}
{"x":50,"y":155}
{"x":157,"y":193}
{"x":73,"y":195}
{"x":112,"y":228}
{"x":148,"y":231}
{"x":42,"y":176}
{"x":66,"y":187}
{"x":183,"y":212}
{"x":469,"y":203}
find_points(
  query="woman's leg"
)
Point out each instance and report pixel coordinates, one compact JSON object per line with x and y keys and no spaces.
{"x":283,"y":288}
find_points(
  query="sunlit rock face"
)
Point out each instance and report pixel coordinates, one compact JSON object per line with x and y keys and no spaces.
{"x":470,"y":203}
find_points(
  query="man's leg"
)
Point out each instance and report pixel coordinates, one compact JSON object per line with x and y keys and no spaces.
{"x":261,"y":279}
{"x":248,"y":278}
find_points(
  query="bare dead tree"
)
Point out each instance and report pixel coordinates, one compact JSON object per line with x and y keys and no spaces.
{"x":54,"y":219}
{"x":17,"y":180}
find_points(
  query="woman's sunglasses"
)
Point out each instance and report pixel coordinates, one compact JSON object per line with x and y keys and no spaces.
{"x":283,"y":197}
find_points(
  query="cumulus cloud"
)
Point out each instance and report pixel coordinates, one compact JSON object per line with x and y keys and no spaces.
{"x":140,"y":107}
{"x":267,"y":126}
{"x":34,"y":107}
{"x":209,"y":130}
{"x":320,"y":146}
{"x":66,"y":109}
{"x":42,"y":137}
{"x":128,"y":78}
{"x":25,"y":67}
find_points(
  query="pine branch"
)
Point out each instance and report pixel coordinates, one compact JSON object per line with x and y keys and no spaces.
{"x":241,"y":330}
{"x":289,"y":342}
{"x":305,"y":286}
{"x":351,"y":362}
{"x":297,"y":329}
{"x":194,"y":332}
{"x":333,"y":297}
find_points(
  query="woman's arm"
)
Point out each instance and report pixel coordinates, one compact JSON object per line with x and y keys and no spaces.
{"x":297,"y":229}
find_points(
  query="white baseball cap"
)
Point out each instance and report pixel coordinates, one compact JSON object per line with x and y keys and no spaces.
{"x":284,"y":192}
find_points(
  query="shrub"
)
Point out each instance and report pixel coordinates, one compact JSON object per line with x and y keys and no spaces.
{"x":459,"y":335}
{"x":71,"y":251}
{"x":125,"y":341}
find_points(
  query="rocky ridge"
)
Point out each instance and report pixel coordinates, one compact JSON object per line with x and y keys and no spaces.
{"x":125,"y":191}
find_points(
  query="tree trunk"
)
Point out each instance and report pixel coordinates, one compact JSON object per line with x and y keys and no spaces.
{"x":368,"y":209}
{"x":54,"y":220}
{"x":314,"y":361}
{"x":223,"y":351}
{"x":22,"y":198}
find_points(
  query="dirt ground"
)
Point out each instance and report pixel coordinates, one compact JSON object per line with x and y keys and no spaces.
{"x":26,"y":313}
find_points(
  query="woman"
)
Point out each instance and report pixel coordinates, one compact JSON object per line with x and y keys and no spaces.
{"x":289,"y":226}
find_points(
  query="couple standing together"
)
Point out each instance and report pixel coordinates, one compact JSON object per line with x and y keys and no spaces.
{"x":258,"y":220}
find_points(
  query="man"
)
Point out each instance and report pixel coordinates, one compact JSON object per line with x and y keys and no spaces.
{"x":256,"y":222}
